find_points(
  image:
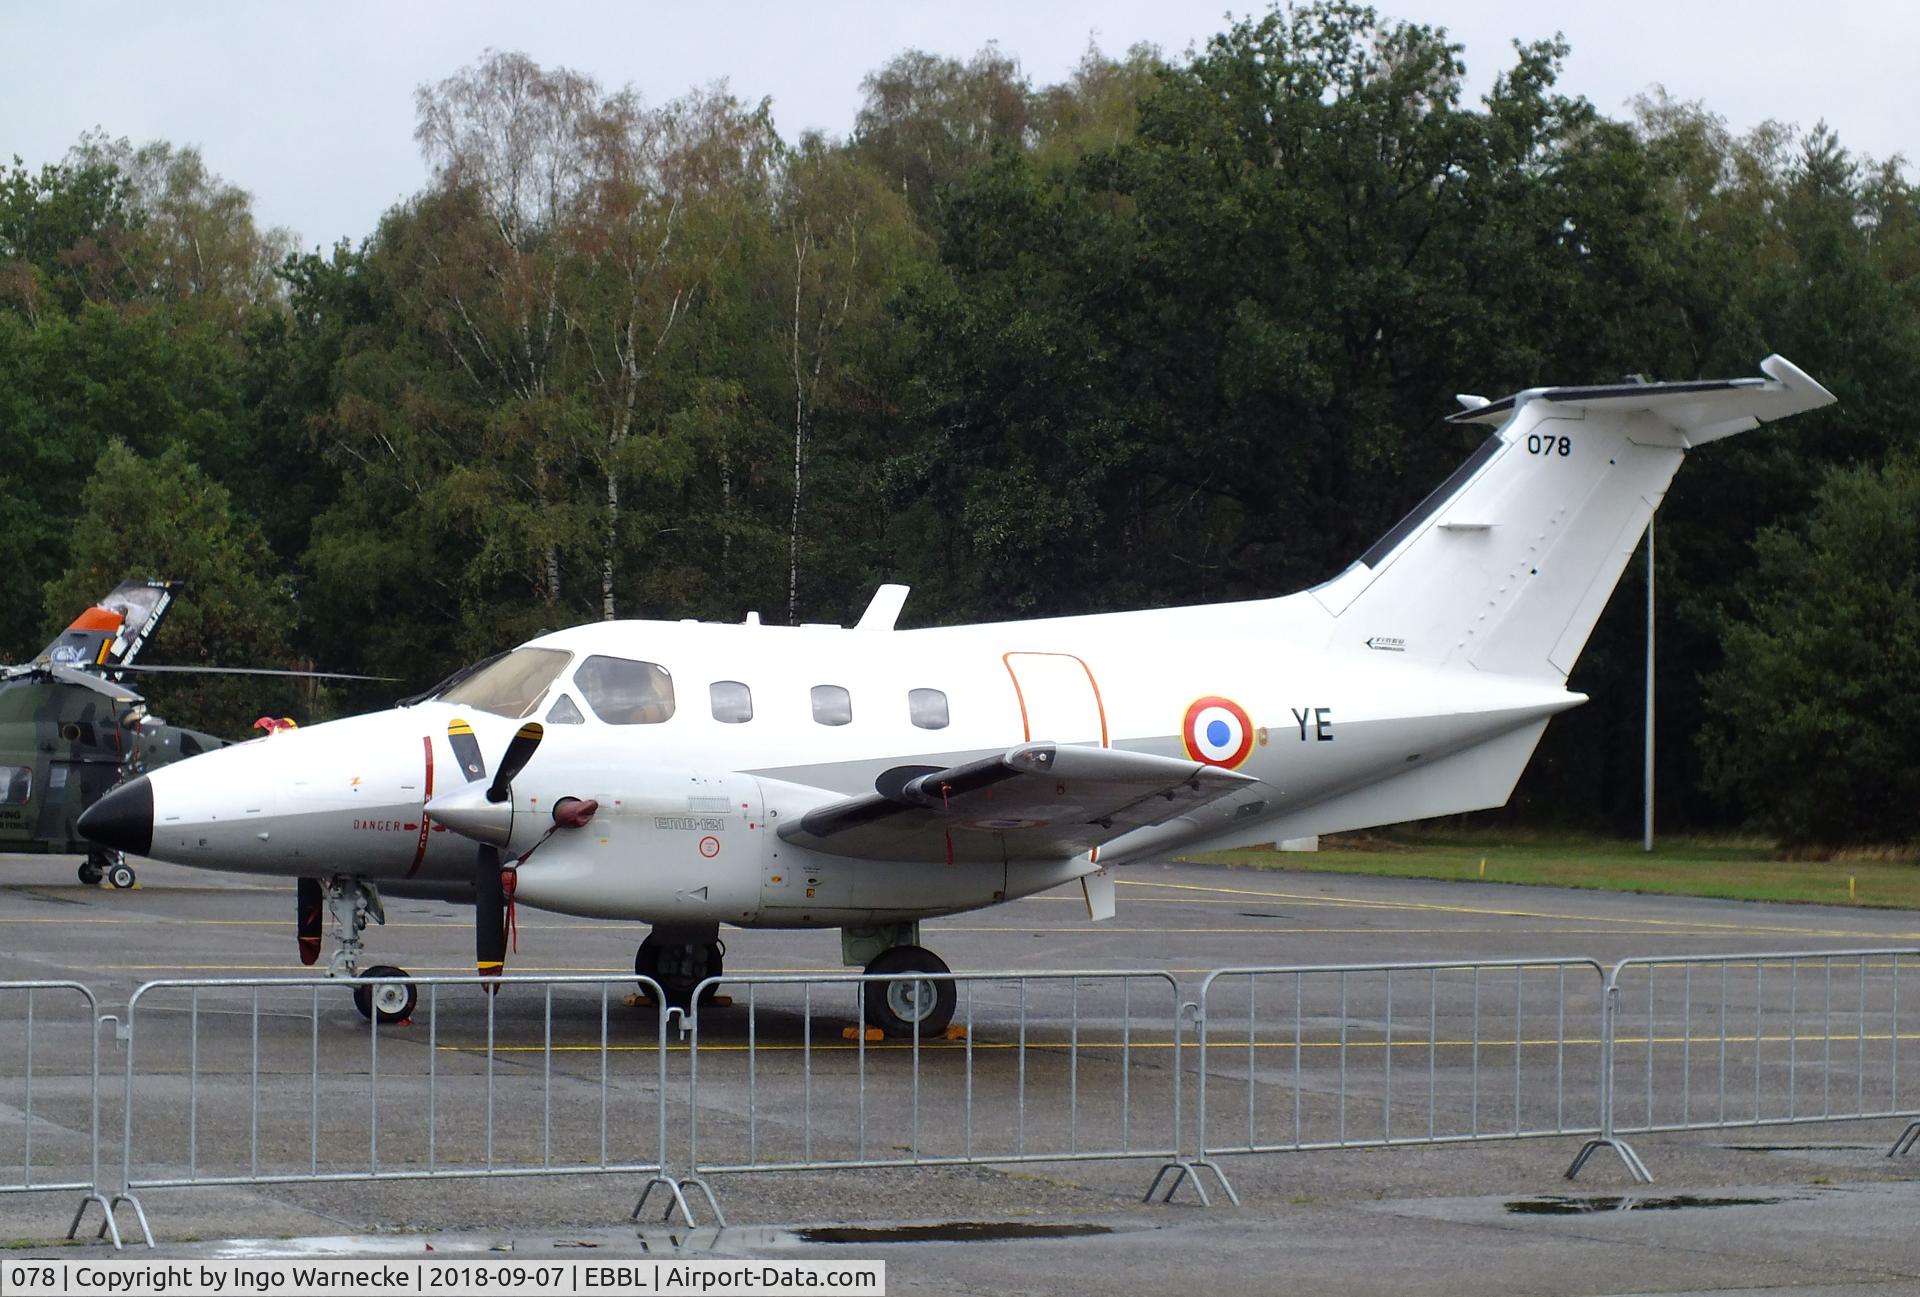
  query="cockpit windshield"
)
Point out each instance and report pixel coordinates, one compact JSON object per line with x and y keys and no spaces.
{"x":511,"y":686}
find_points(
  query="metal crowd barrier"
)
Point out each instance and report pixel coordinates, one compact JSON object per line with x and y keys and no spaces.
{"x":1037,"y":1067}
{"x":1379,"y":1055}
{"x":277,"y":1081}
{"x":50,"y":1142}
{"x":1743,"y":1040}
{"x":280,"y":1081}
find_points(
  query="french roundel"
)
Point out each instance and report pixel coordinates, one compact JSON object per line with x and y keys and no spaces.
{"x":1217,"y":731}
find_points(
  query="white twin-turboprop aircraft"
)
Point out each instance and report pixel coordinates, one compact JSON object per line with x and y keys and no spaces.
{"x":690,"y":775}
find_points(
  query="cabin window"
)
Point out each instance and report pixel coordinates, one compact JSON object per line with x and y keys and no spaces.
{"x":16,"y":785}
{"x":732,"y":702}
{"x":832,"y":705}
{"x":927,"y":708}
{"x":511,"y":686}
{"x":624,"y":692}
{"x":565,"y":712}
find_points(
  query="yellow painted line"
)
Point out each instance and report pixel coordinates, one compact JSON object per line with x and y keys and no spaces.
{"x":1434,"y":907}
{"x":1221,"y":1045}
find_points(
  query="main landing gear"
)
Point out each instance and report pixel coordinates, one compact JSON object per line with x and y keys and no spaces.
{"x":351,"y":902}
{"x":109,"y":865}
{"x":904,"y":1006}
{"x":678,"y":961}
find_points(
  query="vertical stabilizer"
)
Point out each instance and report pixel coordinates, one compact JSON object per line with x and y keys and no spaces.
{"x":1508,"y":564}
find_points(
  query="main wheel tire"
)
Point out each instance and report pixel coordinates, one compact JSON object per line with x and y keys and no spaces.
{"x":677,"y":970}
{"x":906,"y":1006}
{"x":393,"y":1001}
{"x":120,"y":874}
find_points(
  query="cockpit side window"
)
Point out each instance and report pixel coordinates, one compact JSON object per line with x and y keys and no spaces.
{"x":16,"y":785}
{"x":513,"y":686}
{"x":624,"y":692}
{"x":564,"y":712}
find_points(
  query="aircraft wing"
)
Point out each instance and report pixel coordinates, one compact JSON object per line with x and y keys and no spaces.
{"x":1039,"y":801}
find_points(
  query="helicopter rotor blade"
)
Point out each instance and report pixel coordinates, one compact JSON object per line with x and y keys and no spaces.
{"x":115,"y":667}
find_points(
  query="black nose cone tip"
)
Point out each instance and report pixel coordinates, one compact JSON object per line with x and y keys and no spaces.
{"x":123,"y":819}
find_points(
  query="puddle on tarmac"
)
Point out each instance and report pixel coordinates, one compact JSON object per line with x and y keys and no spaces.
{"x":1800,"y":1148}
{"x":945,"y":1232}
{"x":1553,"y":1205}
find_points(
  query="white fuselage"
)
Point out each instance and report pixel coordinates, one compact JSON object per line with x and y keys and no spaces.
{"x":690,"y":804}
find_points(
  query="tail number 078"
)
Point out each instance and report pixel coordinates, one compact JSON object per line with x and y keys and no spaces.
{"x":1539,"y":445}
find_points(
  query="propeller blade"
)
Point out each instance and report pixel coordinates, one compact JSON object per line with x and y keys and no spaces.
{"x":489,"y":914}
{"x":308,"y":895}
{"x":466,"y":749}
{"x":519,"y":752}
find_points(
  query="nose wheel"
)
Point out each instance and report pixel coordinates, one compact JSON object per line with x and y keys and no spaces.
{"x":387,"y":1002}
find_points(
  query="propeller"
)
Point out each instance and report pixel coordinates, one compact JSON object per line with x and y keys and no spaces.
{"x":520,"y":751}
{"x":490,"y":822}
{"x":310,"y":901}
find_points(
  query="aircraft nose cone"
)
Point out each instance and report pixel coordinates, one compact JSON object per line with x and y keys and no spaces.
{"x":123,"y":819}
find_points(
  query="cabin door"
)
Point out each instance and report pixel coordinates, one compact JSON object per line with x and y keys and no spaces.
{"x":1059,"y":699}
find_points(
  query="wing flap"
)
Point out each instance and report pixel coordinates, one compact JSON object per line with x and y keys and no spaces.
{"x":1038,"y":801}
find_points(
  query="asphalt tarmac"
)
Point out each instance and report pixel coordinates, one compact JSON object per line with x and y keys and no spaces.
{"x":1808,"y":1207}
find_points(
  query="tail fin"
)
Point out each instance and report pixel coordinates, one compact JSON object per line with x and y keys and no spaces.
{"x":113,"y":631}
{"x":1506,"y":566}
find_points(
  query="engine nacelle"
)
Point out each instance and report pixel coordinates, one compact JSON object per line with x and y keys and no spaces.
{"x":686,"y":848}
{"x":665,"y":845}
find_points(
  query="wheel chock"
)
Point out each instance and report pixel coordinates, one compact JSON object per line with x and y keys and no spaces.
{"x":634,"y":1000}
{"x":871,"y":1034}
{"x":954,"y":1032}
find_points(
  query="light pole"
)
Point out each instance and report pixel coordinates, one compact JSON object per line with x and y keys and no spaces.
{"x":1647,"y":831}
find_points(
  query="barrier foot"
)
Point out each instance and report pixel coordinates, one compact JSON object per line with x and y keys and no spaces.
{"x":109,"y":1228}
{"x":1635,"y":1167}
{"x":713,"y":1204}
{"x":1182,"y":1172}
{"x":109,"y":1225}
{"x":675,"y":1200}
{"x":1906,"y":1141}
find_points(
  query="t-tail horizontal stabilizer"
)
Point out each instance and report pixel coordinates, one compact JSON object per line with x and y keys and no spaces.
{"x":1507,"y":565}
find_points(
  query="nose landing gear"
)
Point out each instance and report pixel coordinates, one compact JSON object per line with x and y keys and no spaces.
{"x":351,"y":902}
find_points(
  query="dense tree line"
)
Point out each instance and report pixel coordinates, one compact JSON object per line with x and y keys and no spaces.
{"x":1169,"y":331}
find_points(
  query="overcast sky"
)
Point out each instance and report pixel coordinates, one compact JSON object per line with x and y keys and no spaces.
{"x":310,"y":106}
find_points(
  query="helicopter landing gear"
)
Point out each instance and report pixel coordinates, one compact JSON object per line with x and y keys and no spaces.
{"x":109,"y":865}
{"x":351,"y":902}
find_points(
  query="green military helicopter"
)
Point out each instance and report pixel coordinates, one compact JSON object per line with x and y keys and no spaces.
{"x":71,"y":728}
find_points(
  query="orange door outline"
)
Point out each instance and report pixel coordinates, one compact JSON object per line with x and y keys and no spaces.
{"x":1026,"y":727}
